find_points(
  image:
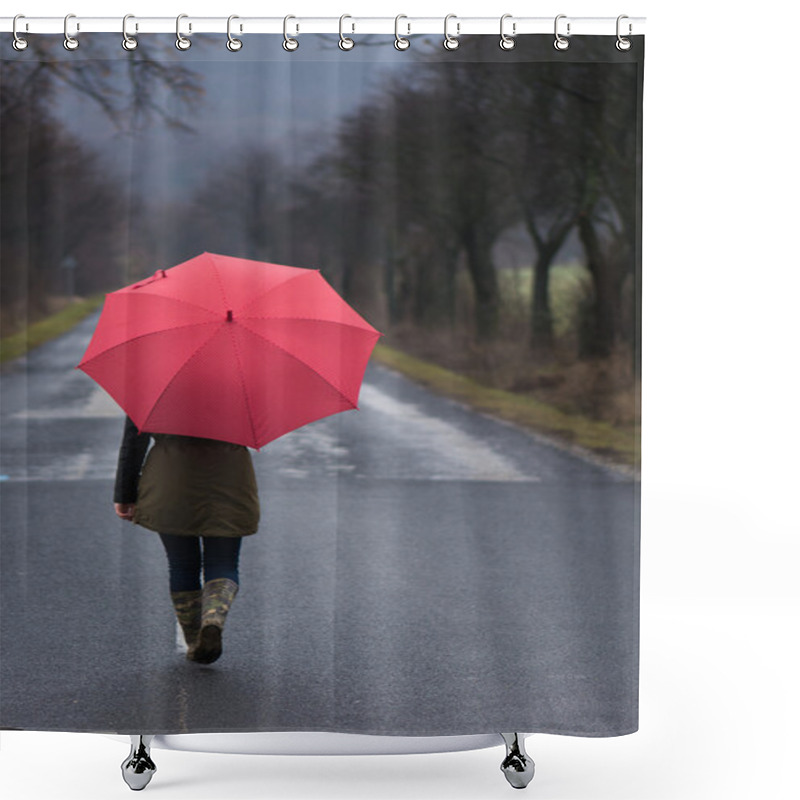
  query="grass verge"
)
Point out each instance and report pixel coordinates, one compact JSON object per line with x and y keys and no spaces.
{"x":49,"y":328}
{"x":600,"y":438}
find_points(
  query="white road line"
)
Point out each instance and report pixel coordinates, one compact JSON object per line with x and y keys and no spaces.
{"x":446,"y":452}
{"x":99,"y":405}
{"x":417,"y":446}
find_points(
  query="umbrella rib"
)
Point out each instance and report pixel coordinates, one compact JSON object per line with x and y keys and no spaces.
{"x":175,"y":299}
{"x":219,"y":279}
{"x":244,"y":389}
{"x":177,"y":373}
{"x":304,"y":363}
{"x":258,"y":298}
{"x":368,"y":329}
{"x":160,"y":332}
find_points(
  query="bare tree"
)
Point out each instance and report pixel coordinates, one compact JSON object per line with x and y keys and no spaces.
{"x":56,"y":200}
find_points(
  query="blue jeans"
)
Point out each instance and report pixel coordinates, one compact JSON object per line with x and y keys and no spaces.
{"x":187,"y":556}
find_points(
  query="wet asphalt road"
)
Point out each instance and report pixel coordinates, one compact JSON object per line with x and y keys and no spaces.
{"x":419,"y":570}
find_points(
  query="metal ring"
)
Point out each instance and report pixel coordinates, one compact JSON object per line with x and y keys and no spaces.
{"x":561,"y":43}
{"x":289,"y":43}
{"x":128,"y":42}
{"x":507,"y":42}
{"x":70,"y":42}
{"x":233,"y":44}
{"x":19,"y":43}
{"x":623,"y":44}
{"x":181,"y":42}
{"x":400,"y":42}
{"x":451,"y":42}
{"x":345,"y":43}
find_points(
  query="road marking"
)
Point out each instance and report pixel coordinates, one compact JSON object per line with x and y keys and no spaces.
{"x":75,"y":468}
{"x":101,"y":404}
{"x":78,"y":467}
{"x":98,"y":405}
{"x":410,"y":443}
{"x":442,"y":450}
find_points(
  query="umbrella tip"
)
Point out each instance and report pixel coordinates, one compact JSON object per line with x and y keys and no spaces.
{"x":229,"y":318}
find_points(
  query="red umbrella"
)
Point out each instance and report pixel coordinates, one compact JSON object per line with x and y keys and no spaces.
{"x":230,"y":349}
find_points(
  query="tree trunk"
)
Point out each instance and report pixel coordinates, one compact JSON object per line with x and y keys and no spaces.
{"x":541,"y":315}
{"x":478,"y":247}
{"x":599,"y":339}
{"x":542,"y":336}
{"x":451,"y":273}
{"x":434,"y":302}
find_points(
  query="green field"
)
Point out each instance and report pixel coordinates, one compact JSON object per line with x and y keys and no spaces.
{"x":570,"y":285}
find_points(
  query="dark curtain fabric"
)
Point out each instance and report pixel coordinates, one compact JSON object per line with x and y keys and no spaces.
{"x":457,"y":556}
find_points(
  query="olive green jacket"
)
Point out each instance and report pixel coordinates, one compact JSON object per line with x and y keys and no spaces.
{"x":187,"y":486}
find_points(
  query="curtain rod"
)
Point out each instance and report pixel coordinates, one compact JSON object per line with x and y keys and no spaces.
{"x":405,"y":26}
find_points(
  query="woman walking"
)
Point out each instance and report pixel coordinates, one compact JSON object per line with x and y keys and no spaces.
{"x":200,"y":496}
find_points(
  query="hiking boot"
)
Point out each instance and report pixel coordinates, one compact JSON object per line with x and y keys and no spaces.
{"x":217,"y":600}
{"x":188,"y":606}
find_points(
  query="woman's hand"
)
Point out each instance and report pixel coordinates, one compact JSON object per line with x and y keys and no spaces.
{"x":125,"y":510}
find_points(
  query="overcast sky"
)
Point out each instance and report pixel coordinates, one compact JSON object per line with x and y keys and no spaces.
{"x":259,"y":95}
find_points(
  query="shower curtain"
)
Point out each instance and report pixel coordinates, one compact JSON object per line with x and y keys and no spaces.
{"x":459,"y":555}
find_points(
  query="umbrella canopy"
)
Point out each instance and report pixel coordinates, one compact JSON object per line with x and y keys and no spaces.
{"x":230,"y":349}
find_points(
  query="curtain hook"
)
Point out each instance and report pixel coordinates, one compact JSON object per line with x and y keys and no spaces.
{"x":234,"y":45}
{"x":181,"y":42}
{"x":451,"y":42}
{"x":507,"y":42}
{"x":128,"y":42}
{"x":344,"y":42}
{"x":400,"y":42}
{"x":622,"y":43}
{"x":70,"y":42}
{"x":19,"y":43}
{"x":561,"y":43}
{"x":290,"y":44}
